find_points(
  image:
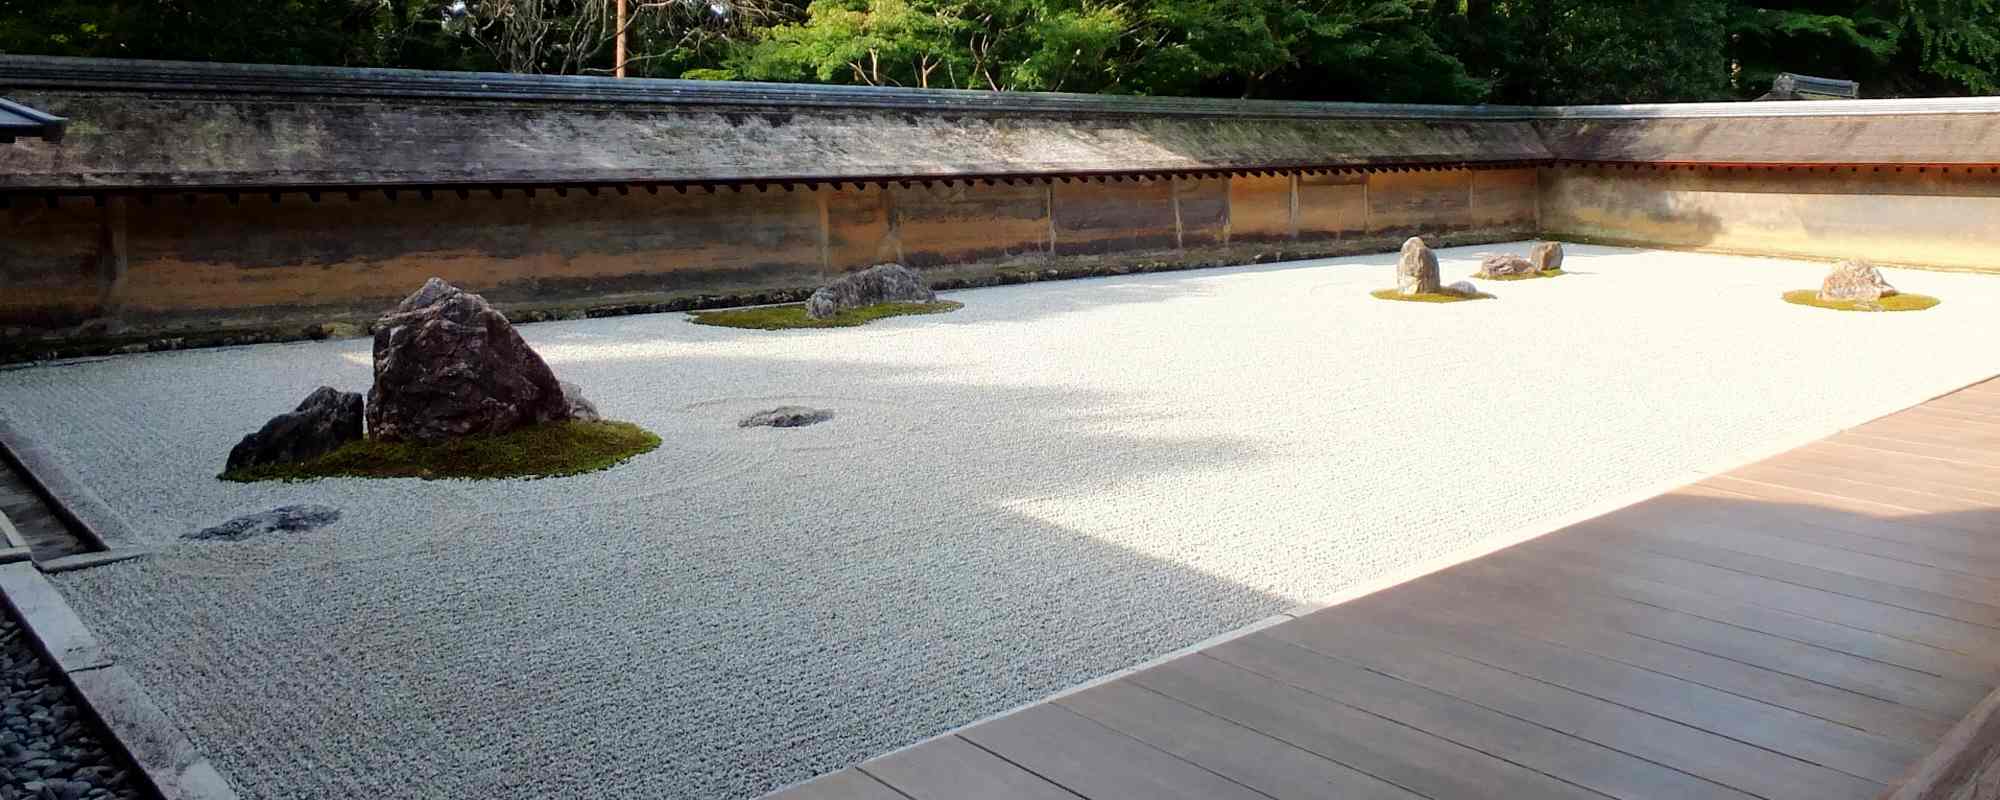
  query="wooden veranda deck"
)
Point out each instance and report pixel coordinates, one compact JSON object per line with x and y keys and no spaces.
{"x":1809,"y":627}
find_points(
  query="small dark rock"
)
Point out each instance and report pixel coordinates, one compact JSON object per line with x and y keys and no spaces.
{"x":786,"y":417}
{"x":327,"y":419}
{"x":882,"y":283}
{"x":289,"y":519}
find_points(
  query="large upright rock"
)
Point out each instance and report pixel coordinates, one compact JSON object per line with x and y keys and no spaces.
{"x":327,"y":419}
{"x":1855,"y":279}
{"x":1417,"y":268}
{"x":882,"y":283}
{"x":447,"y":364}
{"x":1546,"y":256}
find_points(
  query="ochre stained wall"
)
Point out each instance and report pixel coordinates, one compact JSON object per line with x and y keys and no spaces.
{"x":1929,"y":217}
{"x":254,"y":266}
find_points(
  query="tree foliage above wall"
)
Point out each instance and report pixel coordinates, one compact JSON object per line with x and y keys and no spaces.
{"x":1515,"y":51}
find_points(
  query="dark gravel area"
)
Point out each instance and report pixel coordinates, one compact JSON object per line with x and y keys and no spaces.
{"x":50,"y":748}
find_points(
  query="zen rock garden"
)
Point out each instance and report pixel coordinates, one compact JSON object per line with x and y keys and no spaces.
{"x":1857,"y":285}
{"x":457,"y":394}
{"x":883,"y":290}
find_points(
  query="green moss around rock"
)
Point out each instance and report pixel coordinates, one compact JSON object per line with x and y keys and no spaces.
{"x":1429,"y":297}
{"x":1529,"y":276}
{"x":1894,"y":302}
{"x":793,"y":315}
{"x":540,"y":451}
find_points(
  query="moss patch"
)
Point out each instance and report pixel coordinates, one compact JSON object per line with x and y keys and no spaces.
{"x":793,"y":315}
{"x":1429,"y":297}
{"x":1526,"y":276}
{"x":540,"y":451}
{"x":1894,"y":302}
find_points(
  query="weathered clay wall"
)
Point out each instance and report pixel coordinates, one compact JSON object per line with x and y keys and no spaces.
{"x":82,"y":275}
{"x":1943,"y":217}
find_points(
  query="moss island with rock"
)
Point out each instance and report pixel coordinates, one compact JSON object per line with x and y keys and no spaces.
{"x":549,"y":450}
{"x":1856,"y":285}
{"x":1417,"y":279}
{"x":857,"y":298}
{"x":457,"y":394}
{"x":793,"y":315}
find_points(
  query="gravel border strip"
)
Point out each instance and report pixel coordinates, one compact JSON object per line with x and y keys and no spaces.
{"x":87,"y":514}
{"x":127,"y":714}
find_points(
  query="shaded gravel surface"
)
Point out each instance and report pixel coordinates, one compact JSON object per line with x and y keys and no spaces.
{"x":49,"y":747}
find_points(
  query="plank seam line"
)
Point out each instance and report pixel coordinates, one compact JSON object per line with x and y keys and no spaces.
{"x":1327,"y":757}
{"x":1824,"y":545}
{"x":1810,"y":587}
{"x":1699,"y":729}
{"x":1434,"y":735}
{"x":1643,"y":539}
{"x":879,"y":779}
{"x":1020,"y":766}
{"x":1623,"y":629}
{"x":1461,"y":621}
{"x":1643,"y":601}
{"x":1755,"y":604}
{"x":1476,"y":704}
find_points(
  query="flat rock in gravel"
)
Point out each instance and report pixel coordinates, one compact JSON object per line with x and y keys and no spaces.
{"x":882,"y":283}
{"x":1501,"y":265}
{"x":327,"y":419}
{"x":1855,"y":279}
{"x":447,"y":364}
{"x":288,"y":519}
{"x":786,"y":417}
{"x":1546,"y":256}
{"x":1417,"y":268}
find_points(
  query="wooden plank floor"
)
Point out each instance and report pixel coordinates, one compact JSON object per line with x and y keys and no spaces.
{"x":47,"y":537}
{"x":1805,"y":627}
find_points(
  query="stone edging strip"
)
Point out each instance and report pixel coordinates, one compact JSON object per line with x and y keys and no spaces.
{"x":133,"y":722}
{"x":87,"y":514}
{"x":1965,"y":760}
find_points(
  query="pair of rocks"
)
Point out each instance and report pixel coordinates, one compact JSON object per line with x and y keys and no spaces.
{"x":1543,"y":257}
{"x":447,"y":364}
{"x":1417,"y":272}
{"x":1855,"y":280}
{"x":882,"y":283}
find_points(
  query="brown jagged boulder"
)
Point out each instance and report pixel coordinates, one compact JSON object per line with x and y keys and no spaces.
{"x":448,"y":364}
{"x":1501,"y":266}
{"x":1417,"y":268}
{"x":1855,"y":279}
{"x":882,"y":283}
{"x":1546,"y":256}
{"x":327,"y":419}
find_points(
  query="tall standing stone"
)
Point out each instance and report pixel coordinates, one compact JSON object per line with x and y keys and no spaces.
{"x":1546,"y":256}
{"x":1855,"y":279}
{"x":448,"y":364}
{"x":1417,"y":268}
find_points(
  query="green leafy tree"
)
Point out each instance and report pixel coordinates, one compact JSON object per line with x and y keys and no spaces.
{"x":1957,"y":41}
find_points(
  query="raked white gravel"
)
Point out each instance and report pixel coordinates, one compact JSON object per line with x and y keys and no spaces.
{"x":1058,"y":481}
